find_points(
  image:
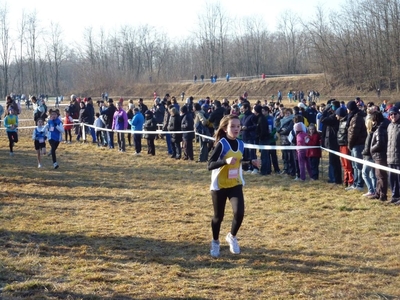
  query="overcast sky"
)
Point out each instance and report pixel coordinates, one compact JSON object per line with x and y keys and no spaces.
{"x":175,"y":17}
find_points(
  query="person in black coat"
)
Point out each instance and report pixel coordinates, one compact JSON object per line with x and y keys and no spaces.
{"x":187,"y":124}
{"x":83,"y":118}
{"x":329,"y":132}
{"x":379,"y":154}
{"x":262,"y":138}
{"x":90,"y":114}
{"x":217,"y":114}
{"x":393,"y":153}
{"x":150,"y":124}
{"x":174,"y":124}
{"x":108,"y":114}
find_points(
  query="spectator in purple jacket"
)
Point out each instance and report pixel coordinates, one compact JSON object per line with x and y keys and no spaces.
{"x":120,"y":122}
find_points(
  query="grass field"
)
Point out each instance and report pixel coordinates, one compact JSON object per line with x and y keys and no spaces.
{"x":110,"y":225}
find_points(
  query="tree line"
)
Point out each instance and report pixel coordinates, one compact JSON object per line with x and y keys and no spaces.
{"x":357,"y":45}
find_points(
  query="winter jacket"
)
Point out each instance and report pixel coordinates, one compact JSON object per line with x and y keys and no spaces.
{"x":174,"y":124}
{"x":108,"y":115}
{"x":330,"y":127}
{"x":314,"y":140}
{"x":366,"y":152}
{"x":342,"y":132}
{"x":54,"y":129}
{"x":249,"y":120}
{"x":150,"y":124}
{"x":379,"y":142}
{"x":130,"y":115}
{"x":137,"y":122}
{"x":262,"y":129}
{"x":120,"y":120}
{"x":216,"y":116}
{"x":393,"y":147}
{"x":90,"y":113}
{"x":301,"y":140}
{"x":83,"y":115}
{"x":159,"y":112}
{"x":357,"y":132}
{"x":187,"y":124}
{"x":167,"y":116}
{"x":284,"y":131}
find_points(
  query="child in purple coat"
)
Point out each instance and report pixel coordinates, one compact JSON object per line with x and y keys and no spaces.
{"x":301,"y":140}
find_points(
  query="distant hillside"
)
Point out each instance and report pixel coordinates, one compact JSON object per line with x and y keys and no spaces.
{"x":256,"y":88}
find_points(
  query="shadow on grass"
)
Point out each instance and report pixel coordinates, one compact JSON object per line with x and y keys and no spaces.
{"x":189,"y":255}
{"x":22,"y":169}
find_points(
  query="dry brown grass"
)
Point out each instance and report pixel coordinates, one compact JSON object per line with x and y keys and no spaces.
{"x":110,"y":225}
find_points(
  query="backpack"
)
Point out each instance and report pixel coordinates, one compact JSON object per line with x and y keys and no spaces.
{"x":204,"y":130}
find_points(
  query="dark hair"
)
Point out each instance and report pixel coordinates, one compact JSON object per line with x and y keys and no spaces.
{"x":377,"y":117}
{"x":298,"y":118}
{"x":246,"y":105}
{"x":266,"y":108}
{"x":197,"y":106}
{"x":98,"y":115}
{"x":184,"y":109}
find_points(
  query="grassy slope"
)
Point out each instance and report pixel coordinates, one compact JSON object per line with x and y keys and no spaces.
{"x":258,"y":89}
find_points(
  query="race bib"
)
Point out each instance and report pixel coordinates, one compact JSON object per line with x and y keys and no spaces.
{"x":233,"y":173}
{"x":51,"y":129}
{"x":41,"y":140}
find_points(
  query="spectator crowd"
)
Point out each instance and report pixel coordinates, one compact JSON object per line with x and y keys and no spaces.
{"x":365,"y":131}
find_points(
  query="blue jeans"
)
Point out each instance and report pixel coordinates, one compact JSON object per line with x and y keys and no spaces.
{"x":368,"y":174}
{"x":110,"y":135}
{"x":394,"y":180}
{"x":331,"y":173}
{"x":357,"y":167}
{"x":169,"y":144}
{"x":93,"y":134}
{"x":265,"y":160}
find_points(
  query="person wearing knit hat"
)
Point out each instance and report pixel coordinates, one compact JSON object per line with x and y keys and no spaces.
{"x":187,"y":124}
{"x":341,"y":116}
{"x":341,"y":112}
{"x":257,"y":109}
{"x":263,"y":135}
{"x":150,"y":124}
{"x":356,"y":136}
{"x":298,"y":127}
{"x":351,"y":105}
{"x":393,"y":153}
{"x":329,"y":133}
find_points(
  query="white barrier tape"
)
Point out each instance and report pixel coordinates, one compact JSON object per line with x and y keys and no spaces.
{"x":21,"y":120}
{"x":362,"y":161}
{"x":136,"y":131}
{"x":25,"y":127}
{"x":249,"y":146}
{"x":266,"y":147}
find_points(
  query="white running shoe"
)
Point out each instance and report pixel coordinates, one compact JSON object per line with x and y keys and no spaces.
{"x":255,"y":171}
{"x":39,"y":166}
{"x":233,"y":243}
{"x":55,"y":165}
{"x":214,"y":251}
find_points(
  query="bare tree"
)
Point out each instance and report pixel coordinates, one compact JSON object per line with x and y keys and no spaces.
{"x":55,"y":55}
{"x":31,"y":37}
{"x":5,"y":50}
